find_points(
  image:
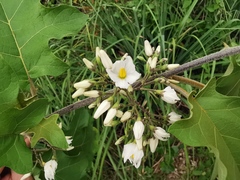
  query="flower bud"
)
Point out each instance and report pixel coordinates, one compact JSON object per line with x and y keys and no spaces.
{"x":92,"y":105}
{"x":152,"y":62}
{"x":161,"y":134}
{"x":106,"y":61}
{"x":82,"y":84}
{"x":110,"y":115}
{"x":173,"y":117}
{"x":158,"y":50}
{"x":88,"y":63}
{"x":138,"y":129}
{"x":153,"y":142}
{"x":93,"y":93}
{"x":126,"y":116}
{"x":119,"y":113}
{"x":78,"y":93}
{"x":119,"y":141}
{"x":148,"y":48}
{"x":103,"y":107}
{"x":172,"y":66}
{"x":169,"y":95}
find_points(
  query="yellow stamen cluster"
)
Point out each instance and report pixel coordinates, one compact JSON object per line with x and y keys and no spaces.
{"x":122,"y":73}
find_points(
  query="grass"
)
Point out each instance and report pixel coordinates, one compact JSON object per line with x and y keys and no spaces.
{"x":185,"y":30}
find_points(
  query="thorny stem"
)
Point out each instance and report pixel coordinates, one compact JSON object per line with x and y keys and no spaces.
{"x":206,"y":59}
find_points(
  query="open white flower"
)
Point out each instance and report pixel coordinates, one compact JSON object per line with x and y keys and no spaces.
{"x":49,"y":169}
{"x":123,"y":73}
{"x":169,"y":95}
{"x":173,"y":117}
{"x":133,"y":154}
{"x":161,"y":134}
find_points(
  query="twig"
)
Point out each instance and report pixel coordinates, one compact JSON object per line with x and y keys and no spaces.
{"x":206,"y":59}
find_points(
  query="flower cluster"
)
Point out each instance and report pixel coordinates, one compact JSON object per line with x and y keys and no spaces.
{"x":121,"y":105}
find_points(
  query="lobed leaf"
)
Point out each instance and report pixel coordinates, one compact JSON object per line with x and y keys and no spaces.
{"x":26,"y":28}
{"x":214,"y":123}
{"x":49,"y":130}
{"x":15,"y":154}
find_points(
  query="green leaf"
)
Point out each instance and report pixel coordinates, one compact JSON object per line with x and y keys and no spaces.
{"x":15,"y":121}
{"x":49,"y":130}
{"x":76,"y":161}
{"x":229,"y":84}
{"x":15,"y":154}
{"x":214,"y":123}
{"x":26,"y":28}
{"x":71,"y":165}
{"x":9,"y":86}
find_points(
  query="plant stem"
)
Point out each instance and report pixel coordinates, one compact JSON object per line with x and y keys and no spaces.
{"x":206,"y":59}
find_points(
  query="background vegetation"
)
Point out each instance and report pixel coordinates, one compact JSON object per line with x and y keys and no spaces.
{"x":185,"y":29}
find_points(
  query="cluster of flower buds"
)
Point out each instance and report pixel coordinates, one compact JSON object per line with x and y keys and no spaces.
{"x":154,"y":58}
{"x":139,"y":130}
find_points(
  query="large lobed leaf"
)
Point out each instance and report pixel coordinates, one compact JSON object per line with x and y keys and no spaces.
{"x":49,"y":130}
{"x":214,"y":123}
{"x":76,"y":161}
{"x":14,"y":153}
{"x":26,"y":27}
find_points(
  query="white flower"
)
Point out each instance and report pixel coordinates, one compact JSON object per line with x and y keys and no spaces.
{"x":123,"y":73}
{"x":161,"y":134}
{"x":169,"y":95}
{"x":103,"y":107}
{"x":97,"y":52}
{"x":119,"y":113}
{"x":88,"y":63}
{"x":153,"y":142}
{"x":133,"y":154}
{"x":139,"y":143}
{"x":79,"y":92}
{"x":172,"y":66}
{"x":158,"y":49}
{"x":49,"y":169}
{"x":126,"y":116}
{"x":83,"y":84}
{"x":92,"y":93}
{"x":92,"y":105}
{"x":106,"y":61}
{"x":148,"y":48}
{"x":109,"y":117}
{"x":69,"y":141}
{"x":152,"y":62}
{"x":138,"y":129}
{"x":119,"y":141}
{"x":173,"y":117}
